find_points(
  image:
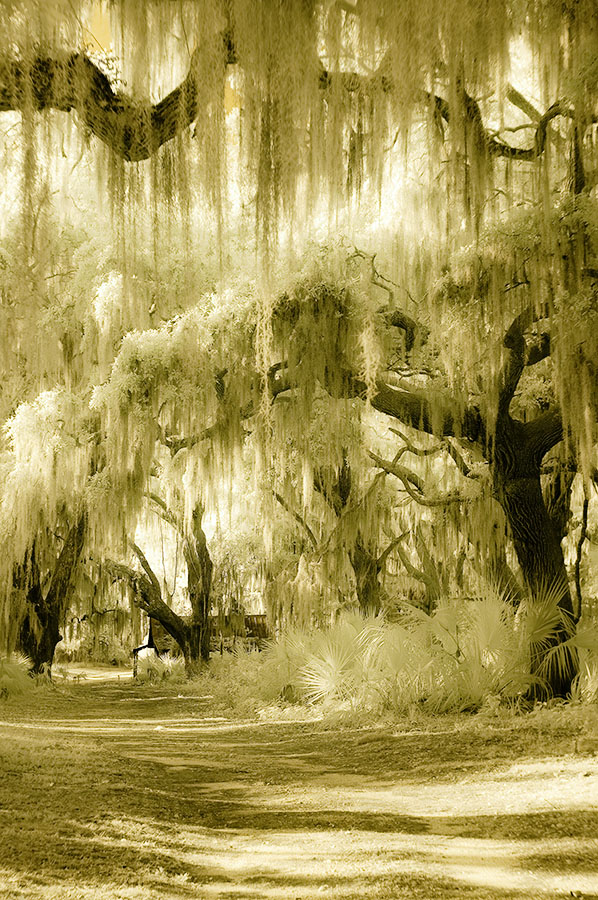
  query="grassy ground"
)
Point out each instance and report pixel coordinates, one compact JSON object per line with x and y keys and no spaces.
{"x":112,"y":791}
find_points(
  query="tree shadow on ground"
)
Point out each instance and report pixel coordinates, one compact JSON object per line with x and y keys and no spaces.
{"x":117,"y":849}
{"x":95,"y":857}
{"x":102,"y":811}
{"x":574,"y":859}
{"x":532,"y":826}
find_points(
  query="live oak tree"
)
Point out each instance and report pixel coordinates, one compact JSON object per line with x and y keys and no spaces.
{"x":499,"y":281}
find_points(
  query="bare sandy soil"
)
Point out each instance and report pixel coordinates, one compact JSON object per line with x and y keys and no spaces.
{"x":111,"y":791}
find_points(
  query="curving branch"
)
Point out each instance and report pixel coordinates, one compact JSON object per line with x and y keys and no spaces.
{"x":297,"y":517}
{"x":539,"y":350}
{"x":542,"y":434}
{"x":134,"y":130}
{"x":497,"y":147}
{"x":410,"y":447}
{"x":412,"y":571}
{"x":519,"y":356}
{"x":512,"y":369}
{"x":447,"y":446}
{"x":431,"y":414}
{"x":163,"y":510}
{"x":149,"y":572}
{"x":460,"y":461}
{"x":142,"y":587}
{"x":414,"y":330}
{"x":147,"y":594}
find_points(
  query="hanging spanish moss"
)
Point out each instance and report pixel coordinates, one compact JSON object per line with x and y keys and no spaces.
{"x":177,"y":304}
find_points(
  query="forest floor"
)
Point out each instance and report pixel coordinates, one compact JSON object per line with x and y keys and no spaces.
{"x":115,"y":791}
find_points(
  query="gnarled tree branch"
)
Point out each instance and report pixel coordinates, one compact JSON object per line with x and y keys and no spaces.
{"x":133,"y":130}
{"x":298,"y":518}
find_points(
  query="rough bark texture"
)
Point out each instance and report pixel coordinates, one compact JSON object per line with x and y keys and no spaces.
{"x":516,"y":477}
{"x":556,"y":489}
{"x":199,"y":585}
{"x":536,"y":538}
{"x":40,"y":630}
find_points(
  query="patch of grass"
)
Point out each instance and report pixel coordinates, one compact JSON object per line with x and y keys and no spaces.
{"x":113,"y":792}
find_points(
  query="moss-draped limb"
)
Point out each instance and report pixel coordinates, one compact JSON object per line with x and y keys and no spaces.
{"x":425,"y":411}
{"x":134,"y":130}
{"x":148,"y":596}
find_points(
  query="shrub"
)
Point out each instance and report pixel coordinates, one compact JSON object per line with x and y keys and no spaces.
{"x":237,"y":681}
{"x":586,"y":686}
{"x":14,"y":676}
{"x":465,"y":655}
{"x":155,"y":669}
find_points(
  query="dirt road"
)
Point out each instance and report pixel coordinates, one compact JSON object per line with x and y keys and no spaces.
{"x":116,"y":792}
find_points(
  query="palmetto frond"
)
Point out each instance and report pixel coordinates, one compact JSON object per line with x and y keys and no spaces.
{"x":14,"y":675}
{"x":329,"y":673}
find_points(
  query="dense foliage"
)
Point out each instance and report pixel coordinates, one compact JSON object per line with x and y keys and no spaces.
{"x":349,"y":291}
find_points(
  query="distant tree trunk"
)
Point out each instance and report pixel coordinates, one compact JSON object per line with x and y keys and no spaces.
{"x":40,"y":630}
{"x":335,"y":487}
{"x":192,"y":636}
{"x":195,"y":642}
{"x":199,"y":585}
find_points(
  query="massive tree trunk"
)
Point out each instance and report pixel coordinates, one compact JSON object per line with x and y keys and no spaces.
{"x":40,"y":630}
{"x":516,"y":462}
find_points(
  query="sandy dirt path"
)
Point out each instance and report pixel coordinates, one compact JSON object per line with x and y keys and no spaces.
{"x":113,"y":792}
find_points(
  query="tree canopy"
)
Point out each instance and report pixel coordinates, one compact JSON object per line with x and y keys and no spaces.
{"x":332,"y":226}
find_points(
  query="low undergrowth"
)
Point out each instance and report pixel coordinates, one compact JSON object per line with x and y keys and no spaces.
{"x":462,"y":657}
{"x":16,"y":678}
{"x":156,"y":669}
